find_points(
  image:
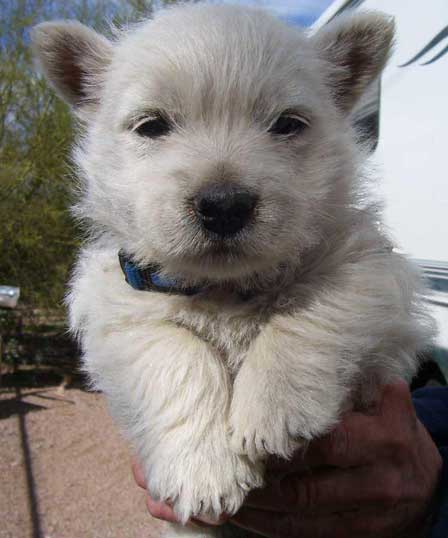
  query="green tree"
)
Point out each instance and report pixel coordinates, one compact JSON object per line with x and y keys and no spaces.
{"x":38,"y":238}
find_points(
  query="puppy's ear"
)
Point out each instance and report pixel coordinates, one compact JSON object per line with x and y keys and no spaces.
{"x":74,"y":59}
{"x":358,"y":47}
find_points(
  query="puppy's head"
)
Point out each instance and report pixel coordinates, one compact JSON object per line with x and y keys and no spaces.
{"x":217,"y":142}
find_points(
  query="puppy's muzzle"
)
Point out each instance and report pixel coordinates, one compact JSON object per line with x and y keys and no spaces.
{"x":224,"y":209}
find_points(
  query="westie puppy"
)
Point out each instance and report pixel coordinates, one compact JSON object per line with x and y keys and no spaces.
{"x":236,"y":293}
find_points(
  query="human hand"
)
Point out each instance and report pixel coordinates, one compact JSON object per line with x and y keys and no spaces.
{"x":373,"y":476}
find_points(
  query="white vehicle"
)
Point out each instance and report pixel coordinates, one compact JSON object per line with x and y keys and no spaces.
{"x":406,"y":116}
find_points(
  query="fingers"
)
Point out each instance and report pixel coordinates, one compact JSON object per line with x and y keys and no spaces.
{"x":272,"y":525}
{"x":354,"y":442}
{"x":357,"y":440}
{"x":346,"y":525}
{"x":263,"y":523}
{"x":330,"y":491}
{"x":160,"y":510}
{"x":360,"y":438}
{"x":137,"y":471}
{"x":156,"y":509}
{"x":353,"y":465}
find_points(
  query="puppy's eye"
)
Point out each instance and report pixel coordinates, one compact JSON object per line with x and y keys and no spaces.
{"x":289,"y":125}
{"x":153,"y":127}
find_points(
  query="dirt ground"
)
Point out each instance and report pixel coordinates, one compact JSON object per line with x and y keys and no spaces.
{"x":64,"y":469}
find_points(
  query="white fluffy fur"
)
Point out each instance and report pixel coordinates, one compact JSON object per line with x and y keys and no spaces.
{"x":207,"y":386}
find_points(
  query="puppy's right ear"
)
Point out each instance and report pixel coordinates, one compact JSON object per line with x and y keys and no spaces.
{"x":74,"y":59}
{"x":357,"y":46}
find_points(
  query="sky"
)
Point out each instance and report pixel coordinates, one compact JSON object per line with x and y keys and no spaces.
{"x":303,"y":12}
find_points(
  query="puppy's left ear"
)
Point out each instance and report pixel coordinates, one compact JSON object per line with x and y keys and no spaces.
{"x":358,"y":47}
{"x":74,"y":60}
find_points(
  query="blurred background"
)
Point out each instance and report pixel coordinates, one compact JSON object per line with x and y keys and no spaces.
{"x":64,"y":468}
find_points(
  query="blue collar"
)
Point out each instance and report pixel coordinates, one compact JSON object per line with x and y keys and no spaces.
{"x":148,"y":278}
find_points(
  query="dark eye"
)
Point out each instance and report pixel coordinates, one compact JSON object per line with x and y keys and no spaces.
{"x":289,"y":125}
{"x":153,"y":127}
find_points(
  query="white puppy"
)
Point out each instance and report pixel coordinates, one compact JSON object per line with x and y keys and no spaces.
{"x":261,"y":298}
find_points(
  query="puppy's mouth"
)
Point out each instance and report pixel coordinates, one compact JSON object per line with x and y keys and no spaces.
{"x":221,"y":259}
{"x":219,"y":253}
{"x":222,"y":248}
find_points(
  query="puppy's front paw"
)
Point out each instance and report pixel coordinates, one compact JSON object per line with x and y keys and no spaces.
{"x":204,"y":483}
{"x":271,"y":415}
{"x":259,"y":427}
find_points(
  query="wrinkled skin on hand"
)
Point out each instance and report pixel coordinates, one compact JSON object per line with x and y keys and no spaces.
{"x":374,"y":476}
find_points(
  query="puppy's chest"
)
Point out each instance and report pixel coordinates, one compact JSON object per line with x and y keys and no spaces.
{"x":228,"y":326}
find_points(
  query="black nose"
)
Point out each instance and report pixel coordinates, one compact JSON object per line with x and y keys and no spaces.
{"x":224,"y":209}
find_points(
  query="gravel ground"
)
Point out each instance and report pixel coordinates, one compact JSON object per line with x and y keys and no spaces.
{"x":64,"y":469}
